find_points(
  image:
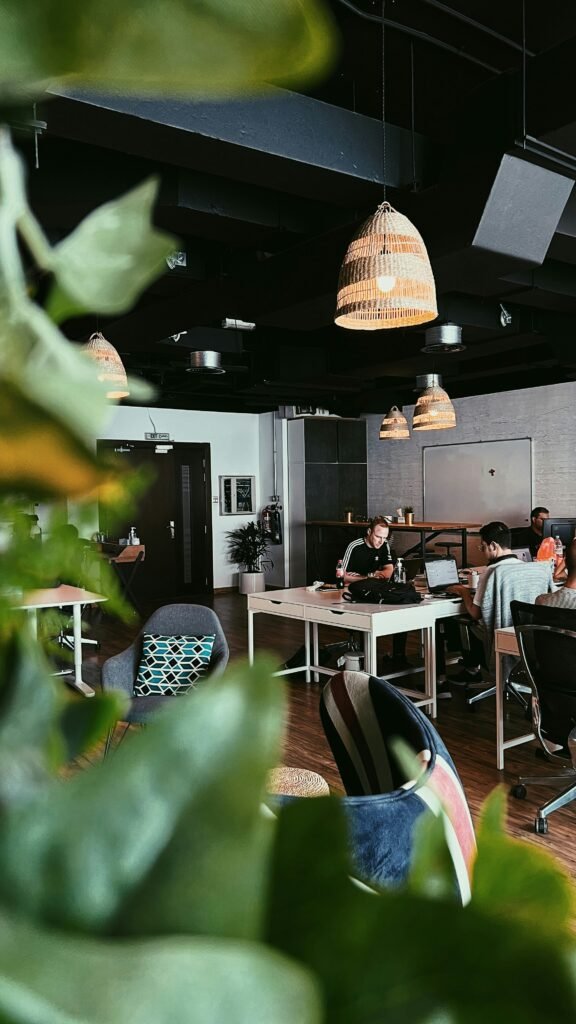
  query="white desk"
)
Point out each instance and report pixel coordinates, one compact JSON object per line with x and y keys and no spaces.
{"x":58,"y":597}
{"x":373,"y":620}
{"x":505,"y":642}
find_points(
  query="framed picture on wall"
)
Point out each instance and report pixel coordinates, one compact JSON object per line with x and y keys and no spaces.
{"x":237,"y":495}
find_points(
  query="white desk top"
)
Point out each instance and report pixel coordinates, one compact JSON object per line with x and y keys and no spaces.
{"x":55,"y":597}
{"x":334,"y":601}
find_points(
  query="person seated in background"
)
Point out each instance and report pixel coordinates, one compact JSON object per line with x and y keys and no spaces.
{"x":531,"y":536}
{"x":565,"y":597}
{"x":486,"y":605}
{"x":370,"y":556}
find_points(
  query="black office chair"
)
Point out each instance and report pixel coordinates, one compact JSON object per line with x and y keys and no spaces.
{"x":547,"y":644}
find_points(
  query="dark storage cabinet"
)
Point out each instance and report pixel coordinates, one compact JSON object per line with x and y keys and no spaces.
{"x":328,"y":477}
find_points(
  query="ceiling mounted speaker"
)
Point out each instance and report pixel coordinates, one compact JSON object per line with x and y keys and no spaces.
{"x":443,"y":338}
{"x":205,"y":362}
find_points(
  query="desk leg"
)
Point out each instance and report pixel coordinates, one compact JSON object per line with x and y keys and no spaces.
{"x":307,"y":649}
{"x":430,"y":667}
{"x":371,"y":661}
{"x":78,"y":683}
{"x":499,"y":714}
{"x":315,"y":649}
{"x":250,"y":637}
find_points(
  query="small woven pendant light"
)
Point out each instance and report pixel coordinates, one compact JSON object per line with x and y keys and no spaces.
{"x":433,"y":410}
{"x":110,"y":367}
{"x":394,"y":426}
{"x":386,"y":279}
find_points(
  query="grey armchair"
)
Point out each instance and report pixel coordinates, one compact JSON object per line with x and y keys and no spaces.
{"x":119,"y":672}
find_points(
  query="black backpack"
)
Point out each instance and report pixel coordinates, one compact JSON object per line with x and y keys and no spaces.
{"x":378,"y":591}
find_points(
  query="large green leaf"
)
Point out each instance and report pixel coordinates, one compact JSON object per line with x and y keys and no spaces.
{"x":49,"y":978}
{"x":401,"y":958}
{"x":29,"y":708}
{"x":181,"y":797}
{"x":512,"y":879}
{"x":173,"y":46}
{"x":112,"y":256}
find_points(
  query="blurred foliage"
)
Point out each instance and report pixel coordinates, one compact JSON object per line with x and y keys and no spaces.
{"x":155,"y":886}
{"x":175,"y":46}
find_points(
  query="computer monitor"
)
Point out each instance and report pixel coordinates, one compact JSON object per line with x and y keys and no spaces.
{"x":563,"y":528}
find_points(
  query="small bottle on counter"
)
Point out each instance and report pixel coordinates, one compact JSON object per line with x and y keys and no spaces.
{"x":399,"y":571}
{"x":132,"y":536}
{"x":339,"y":575}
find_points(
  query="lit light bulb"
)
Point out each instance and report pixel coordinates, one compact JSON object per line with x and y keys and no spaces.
{"x":385,"y":282}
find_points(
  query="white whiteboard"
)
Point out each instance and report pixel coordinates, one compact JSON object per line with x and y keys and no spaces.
{"x":478,"y":482}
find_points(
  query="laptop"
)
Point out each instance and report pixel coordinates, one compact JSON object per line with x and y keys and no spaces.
{"x":441,"y":573}
{"x":523,"y":554}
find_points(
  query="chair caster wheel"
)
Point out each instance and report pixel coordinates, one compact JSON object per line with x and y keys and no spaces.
{"x":519,"y":792}
{"x":541,"y":826}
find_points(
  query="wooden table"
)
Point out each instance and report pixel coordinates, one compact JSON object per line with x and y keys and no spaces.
{"x":373,"y":620}
{"x":505,"y":642}
{"x":58,"y":597}
{"x":427,"y":530}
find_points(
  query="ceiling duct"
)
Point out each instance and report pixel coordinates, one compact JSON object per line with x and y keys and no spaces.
{"x":205,"y":362}
{"x":443,"y":338}
{"x":428,"y":380}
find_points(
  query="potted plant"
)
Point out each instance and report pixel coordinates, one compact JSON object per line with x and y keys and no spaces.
{"x":247,"y":546}
{"x":409,"y":515}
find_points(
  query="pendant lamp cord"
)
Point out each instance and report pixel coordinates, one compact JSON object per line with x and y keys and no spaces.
{"x":524,"y":73}
{"x":413,"y":118}
{"x":383,"y":100}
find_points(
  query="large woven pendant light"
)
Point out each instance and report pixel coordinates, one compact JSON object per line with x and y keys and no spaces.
{"x":110,"y":367}
{"x":433,"y":410}
{"x":386,"y":279}
{"x":394,"y":426}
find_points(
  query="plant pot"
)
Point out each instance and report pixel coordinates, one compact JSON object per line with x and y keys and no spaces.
{"x":409,"y":518}
{"x":251,"y":582}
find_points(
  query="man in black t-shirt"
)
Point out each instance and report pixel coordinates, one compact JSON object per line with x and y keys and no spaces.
{"x":531,"y":536}
{"x":369,"y":555}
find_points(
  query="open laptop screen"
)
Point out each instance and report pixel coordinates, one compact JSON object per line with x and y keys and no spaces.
{"x":441,"y":573}
{"x":523,"y":554}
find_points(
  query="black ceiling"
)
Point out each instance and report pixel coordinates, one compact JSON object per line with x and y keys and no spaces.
{"x":266,"y":193}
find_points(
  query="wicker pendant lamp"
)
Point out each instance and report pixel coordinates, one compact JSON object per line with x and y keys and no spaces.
{"x":110,"y":367}
{"x":433,"y":410}
{"x":386,"y":279}
{"x":394,"y":426}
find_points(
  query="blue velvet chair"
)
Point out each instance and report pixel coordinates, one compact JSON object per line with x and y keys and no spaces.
{"x":361,"y":714}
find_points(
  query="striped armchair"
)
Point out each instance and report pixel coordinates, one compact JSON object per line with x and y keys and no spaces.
{"x":360,"y":715}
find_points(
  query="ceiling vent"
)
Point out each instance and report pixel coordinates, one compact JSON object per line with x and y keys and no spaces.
{"x":205,"y":362}
{"x":443,"y":338}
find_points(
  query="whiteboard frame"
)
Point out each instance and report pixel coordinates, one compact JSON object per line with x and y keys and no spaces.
{"x":471,"y":444}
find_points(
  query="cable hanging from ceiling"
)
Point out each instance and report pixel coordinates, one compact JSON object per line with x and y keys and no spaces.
{"x":386,"y":279}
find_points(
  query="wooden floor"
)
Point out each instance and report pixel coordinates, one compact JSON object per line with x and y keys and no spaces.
{"x":470,"y":737}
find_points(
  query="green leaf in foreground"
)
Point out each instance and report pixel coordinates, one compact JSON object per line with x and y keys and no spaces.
{"x":110,"y":258}
{"x":400,"y":958}
{"x":49,"y":978}
{"x":167,"y":834}
{"x":514,"y":879}
{"x":175,"y":46}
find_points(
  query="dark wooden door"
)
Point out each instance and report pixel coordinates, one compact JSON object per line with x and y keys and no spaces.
{"x":172,"y":518}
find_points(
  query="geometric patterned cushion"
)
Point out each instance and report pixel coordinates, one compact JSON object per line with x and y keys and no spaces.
{"x":172,"y":665}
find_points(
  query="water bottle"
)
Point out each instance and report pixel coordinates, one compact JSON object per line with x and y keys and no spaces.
{"x":399,"y":571}
{"x":558,"y":550}
{"x":339,"y":575}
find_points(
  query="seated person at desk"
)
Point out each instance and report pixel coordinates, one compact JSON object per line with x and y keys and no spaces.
{"x":531,"y":536}
{"x":493,"y":594}
{"x":564,"y":597}
{"x":371,"y":556}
